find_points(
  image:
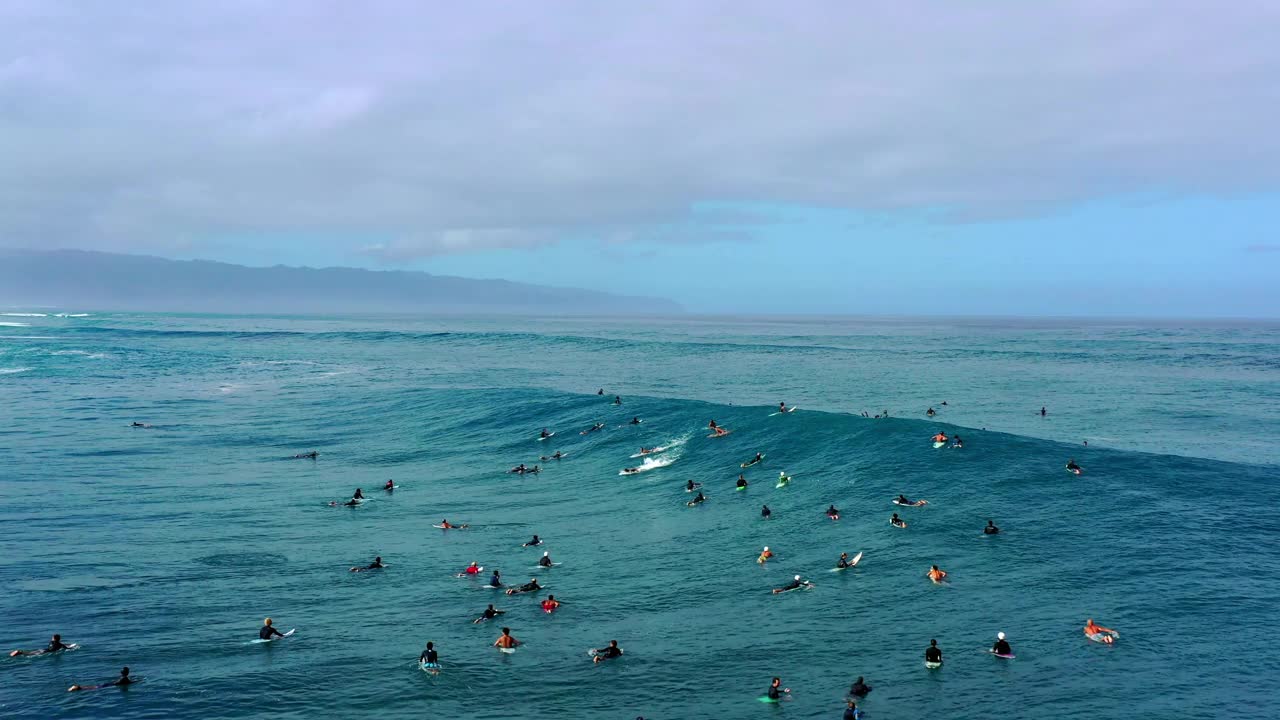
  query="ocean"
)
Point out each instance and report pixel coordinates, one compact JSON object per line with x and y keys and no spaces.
{"x":164,"y":547}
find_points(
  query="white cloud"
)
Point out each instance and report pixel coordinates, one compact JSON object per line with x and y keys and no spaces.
{"x":440,"y":128}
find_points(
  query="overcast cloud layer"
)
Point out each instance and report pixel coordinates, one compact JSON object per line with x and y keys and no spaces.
{"x":412,"y":129}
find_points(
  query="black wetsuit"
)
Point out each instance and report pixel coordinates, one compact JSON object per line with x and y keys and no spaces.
{"x":489,"y":614}
{"x":1002,"y":648}
{"x":860,"y":689}
{"x":773,"y":693}
{"x":266,"y":631}
{"x":843,"y":563}
{"x":430,"y":657}
{"x":529,"y":587}
{"x":609,"y":652}
{"x":765,"y":512}
{"x":495,"y":581}
{"x":991,"y":530}
{"x":793,"y":585}
{"x":933,"y":654}
{"x":545,"y":561}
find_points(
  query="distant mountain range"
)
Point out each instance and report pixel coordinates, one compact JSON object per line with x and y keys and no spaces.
{"x":108,"y":281}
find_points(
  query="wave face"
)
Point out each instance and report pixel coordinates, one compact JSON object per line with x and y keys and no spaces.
{"x":201,"y":522}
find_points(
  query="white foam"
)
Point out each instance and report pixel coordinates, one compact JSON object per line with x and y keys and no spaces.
{"x":11,"y":371}
{"x":24,"y":315}
{"x":14,"y":324}
{"x":27,"y":337}
{"x":650,"y":463}
{"x":92,"y":356}
{"x":66,"y":315}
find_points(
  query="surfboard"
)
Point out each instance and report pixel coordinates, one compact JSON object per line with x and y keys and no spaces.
{"x":430,"y":667}
{"x":805,"y":586}
{"x":783,"y":482}
{"x":544,"y":567}
{"x":451,"y":527}
{"x":507,"y":651}
{"x":1074,"y":472}
{"x":741,"y":487}
{"x":479,"y":569}
{"x":1002,"y":656}
{"x":939,"y":444}
{"x":932,"y":665}
{"x":1104,"y":638}
{"x":901,"y":524}
{"x":547,"y":437}
{"x":692,"y":503}
{"x":917,"y":503}
{"x":718,"y":435}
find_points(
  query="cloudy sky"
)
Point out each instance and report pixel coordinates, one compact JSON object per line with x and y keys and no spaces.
{"x":862,"y":157}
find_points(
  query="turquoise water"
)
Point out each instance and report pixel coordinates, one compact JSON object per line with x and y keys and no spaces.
{"x":163,"y":548}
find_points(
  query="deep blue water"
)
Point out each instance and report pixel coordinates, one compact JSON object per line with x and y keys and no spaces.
{"x":163,"y":548}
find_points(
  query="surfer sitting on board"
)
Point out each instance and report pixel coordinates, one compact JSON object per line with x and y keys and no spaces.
{"x":1073,"y":467}
{"x":550,"y":604}
{"x":742,"y":482}
{"x":534,"y":542}
{"x":936,"y":575}
{"x":607,"y":653}
{"x":545,"y":560}
{"x":472,"y":569}
{"x":933,"y":653}
{"x":782,"y":407}
{"x":544,"y":434}
{"x":765,"y":512}
{"x":859,"y":688}
{"x":1002,"y":646}
{"x":843,"y":562}
{"x":930,"y":412}
{"x":776,"y":690}
{"x":940,"y":437}
{"x":691,"y":486}
{"x":991,"y":529}
{"x":833,"y":513}
{"x":635,"y":421}
{"x":495,"y":580}
{"x":505,"y":641}
{"x":266,"y":631}
{"x":897,"y":521}
{"x":429,"y":656}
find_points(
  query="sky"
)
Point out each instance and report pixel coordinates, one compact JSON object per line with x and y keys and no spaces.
{"x":1012,"y":158}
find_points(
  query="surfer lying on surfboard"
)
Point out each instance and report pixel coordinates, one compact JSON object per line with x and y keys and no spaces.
{"x":123,"y":681}
{"x":716,"y":430}
{"x":55,"y":645}
{"x":795,"y":584}
{"x":1097,"y":633}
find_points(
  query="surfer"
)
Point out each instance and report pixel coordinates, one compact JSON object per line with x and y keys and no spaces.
{"x":944,"y":403}
{"x":936,"y":575}
{"x":141,"y":425}
{"x":534,"y":470}
{"x":545,"y":560}
{"x":636,"y":421}
{"x":852,"y":712}
{"x":764,"y":555}
{"x":472,"y":569}
{"x":941,"y":437}
{"x":776,"y":690}
{"x":391,"y":485}
{"x":956,"y":442}
{"x":544,"y":434}
{"x":933,"y":653}
{"x":307,"y":456}
{"x":488,"y":614}
{"x":617,"y":400}
{"x":1042,"y":411}
{"x":1073,"y":467}
{"x":645,"y":451}
{"x":765,"y":512}
{"x":446,"y":525}
{"x":550,"y":604}
{"x":600,"y":391}
{"x":267,"y":631}
{"x":782,"y":407}
{"x":505,"y":641}
{"x":1002,"y":646}
{"x":753,"y":460}
{"x":833,"y":513}
{"x":699,"y":499}
{"x":691,"y":486}
{"x":930,"y":412}
{"x":55,"y":645}
{"x":843,"y":562}
{"x":859,"y":688}
{"x":375,"y":565}
{"x":783,"y":478}
{"x":495,"y":580}
{"x":519,"y":469}
{"x":742,"y":482}
{"x":359,"y":495}
{"x":534,"y":542}
{"x":123,"y":681}
{"x":795,"y":584}
{"x":630,"y":471}
{"x":607,"y":653}
{"x":1092,"y":630}
{"x":531,"y":586}
{"x":716,"y":429}
{"x":430,"y":657}
{"x":593,"y":428}
{"x":990,"y":529}
{"x":556,"y":456}
{"x":897,"y":521}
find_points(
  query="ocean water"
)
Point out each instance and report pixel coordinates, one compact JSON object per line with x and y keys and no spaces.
{"x":163,"y":548}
